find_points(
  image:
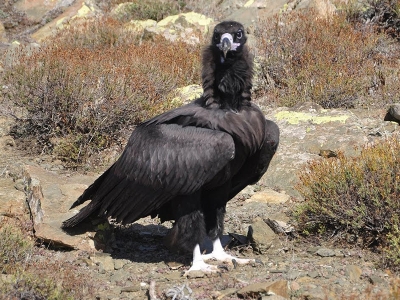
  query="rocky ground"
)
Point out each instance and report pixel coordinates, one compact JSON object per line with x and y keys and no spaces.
{"x":132,"y":263}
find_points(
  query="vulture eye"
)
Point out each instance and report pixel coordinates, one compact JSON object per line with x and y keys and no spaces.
{"x":239,"y":34}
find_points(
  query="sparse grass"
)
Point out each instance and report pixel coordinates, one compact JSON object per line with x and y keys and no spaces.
{"x":26,"y":272}
{"x":305,"y":57}
{"x":355,"y":199}
{"x":78,"y":93}
{"x":143,"y":10}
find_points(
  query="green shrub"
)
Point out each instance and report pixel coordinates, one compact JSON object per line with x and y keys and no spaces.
{"x":78,"y":93}
{"x":306,"y":57}
{"x":357,"y":198}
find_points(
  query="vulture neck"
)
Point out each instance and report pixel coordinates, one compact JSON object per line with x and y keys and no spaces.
{"x":233,"y":97}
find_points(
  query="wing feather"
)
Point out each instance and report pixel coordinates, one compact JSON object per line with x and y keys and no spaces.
{"x":160,"y":162}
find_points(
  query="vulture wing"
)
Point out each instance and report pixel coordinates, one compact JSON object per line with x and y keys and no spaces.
{"x":159,"y":162}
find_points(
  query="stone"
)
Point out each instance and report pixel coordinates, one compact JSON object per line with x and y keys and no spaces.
{"x":185,"y":27}
{"x":223,"y":294}
{"x":279,"y":288}
{"x":374,"y":279}
{"x":3,"y":36}
{"x":12,"y":201}
{"x":49,"y":197}
{"x":186,"y":94}
{"x":79,"y":9}
{"x":393,"y":113}
{"x":260,"y":235}
{"x":37,"y":10}
{"x":324,"y":252}
{"x":120,"y":263}
{"x":103,"y":259}
{"x":353,"y":272}
{"x":269,"y":196}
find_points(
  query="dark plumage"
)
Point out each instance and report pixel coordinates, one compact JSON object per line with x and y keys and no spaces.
{"x":187,"y":163}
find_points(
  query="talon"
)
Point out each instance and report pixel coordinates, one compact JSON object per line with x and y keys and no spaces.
{"x":234,"y":262}
{"x":223,"y":267}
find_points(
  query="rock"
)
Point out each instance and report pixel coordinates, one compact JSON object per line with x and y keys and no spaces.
{"x":279,"y":226}
{"x":186,"y":94}
{"x":3,"y":36}
{"x":393,"y":113}
{"x":49,"y":197}
{"x":279,"y":288}
{"x":269,"y":196}
{"x":324,"y":252}
{"x":305,"y":133}
{"x":374,"y":279}
{"x":294,"y":274}
{"x":326,"y":153}
{"x":123,"y":11}
{"x":195,"y":274}
{"x":37,"y":10}
{"x":77,"y":10}
{"x":185,"y":27}
{"x":260,"y":235}
{"x":324,"y":8}
{"x":120,"y":263}
{"x":103,"y":259}
{"x":12,"y":201}
{"x":138,"y":26}
{"x":353,"y":272}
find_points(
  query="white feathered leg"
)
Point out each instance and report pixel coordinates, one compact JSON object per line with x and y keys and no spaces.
{"x":198,"y":263}
{"x":219,"y":254}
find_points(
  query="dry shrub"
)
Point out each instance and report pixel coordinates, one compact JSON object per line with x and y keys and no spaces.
{"x":78,"y":96}
{"x":383,"y":14}
{"x":27,"y":274}
{"x":144,"y":9}
{"x":326,"y":60}
{"x":355,"y":199}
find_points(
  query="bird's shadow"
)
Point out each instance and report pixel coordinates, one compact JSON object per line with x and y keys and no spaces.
{"x":139,"y":243}
{"x":145,"y":244}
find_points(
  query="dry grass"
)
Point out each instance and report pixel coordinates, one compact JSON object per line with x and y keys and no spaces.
{"x":355,"y":199}
{"x":326,"y":60}
{"x":27,"y":272}
{"x":78,"y":93}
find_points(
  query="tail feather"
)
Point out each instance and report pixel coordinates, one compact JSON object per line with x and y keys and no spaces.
{"x":91,"y":190}
{"x":85,"y":212}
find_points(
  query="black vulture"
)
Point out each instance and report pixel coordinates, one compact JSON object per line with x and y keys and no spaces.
{"x":187,"y":163}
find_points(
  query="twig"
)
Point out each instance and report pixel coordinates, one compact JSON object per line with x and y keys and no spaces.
{"x":152,"y":290}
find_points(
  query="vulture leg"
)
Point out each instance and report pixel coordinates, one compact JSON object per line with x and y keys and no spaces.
{"x":198,"y":263}
{"x":219,"y":254}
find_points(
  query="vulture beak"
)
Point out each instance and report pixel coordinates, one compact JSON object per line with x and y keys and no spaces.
{"x":226,"y":44}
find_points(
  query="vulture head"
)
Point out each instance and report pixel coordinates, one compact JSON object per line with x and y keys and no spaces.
{"x":229,"y":37}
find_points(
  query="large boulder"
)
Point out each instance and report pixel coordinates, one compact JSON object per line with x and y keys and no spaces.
{"x":49,"y":197}
{"x":309,"y":130}
{"x":80,"y":9}
{"x":186,"y":27}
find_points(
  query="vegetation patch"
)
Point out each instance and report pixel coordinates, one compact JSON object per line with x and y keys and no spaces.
{"x":326,"y":60}
{"x":355,"y":199}
{"x":77,"y":93}
{"x":26,"y":272}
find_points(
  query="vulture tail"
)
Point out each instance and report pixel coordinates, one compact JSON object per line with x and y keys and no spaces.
{"x":91,"y":190}
{"x":91,"y":209}
{"x":81,"y":216}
